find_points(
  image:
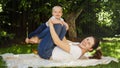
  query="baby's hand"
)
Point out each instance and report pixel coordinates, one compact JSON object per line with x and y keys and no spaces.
{"x":56,"y":21}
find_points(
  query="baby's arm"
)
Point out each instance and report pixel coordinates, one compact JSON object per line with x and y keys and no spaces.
{"x":56,"y":21}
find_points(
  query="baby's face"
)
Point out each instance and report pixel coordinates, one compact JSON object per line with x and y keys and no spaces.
{"x":57,"y":12}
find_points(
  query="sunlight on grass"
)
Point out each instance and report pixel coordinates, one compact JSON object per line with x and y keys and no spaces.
{"x":111,"y":49}
{"x":18,"y":49}
{"x":112,"y":39}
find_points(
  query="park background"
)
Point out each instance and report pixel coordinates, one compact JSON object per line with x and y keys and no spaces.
{"x":100,"y":18}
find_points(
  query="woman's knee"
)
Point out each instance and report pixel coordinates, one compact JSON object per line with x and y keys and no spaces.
{"x":64,"y":27}
{"x":58,"y":28}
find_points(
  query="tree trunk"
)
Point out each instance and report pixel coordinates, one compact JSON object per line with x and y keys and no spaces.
{"x":72,"y":27}
{"x":70,"y":19}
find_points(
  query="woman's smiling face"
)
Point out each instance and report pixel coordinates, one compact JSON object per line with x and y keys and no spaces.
{"x":87,"y":43}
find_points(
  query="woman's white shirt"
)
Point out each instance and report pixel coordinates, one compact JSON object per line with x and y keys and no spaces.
{"x":59,"y":54}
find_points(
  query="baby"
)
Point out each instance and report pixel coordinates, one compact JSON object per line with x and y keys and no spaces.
{"x":35,"y":36}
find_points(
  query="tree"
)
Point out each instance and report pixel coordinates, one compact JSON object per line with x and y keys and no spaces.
{"x":81,"y":15}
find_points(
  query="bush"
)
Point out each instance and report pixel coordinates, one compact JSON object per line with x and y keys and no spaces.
{"x":5,"y":37}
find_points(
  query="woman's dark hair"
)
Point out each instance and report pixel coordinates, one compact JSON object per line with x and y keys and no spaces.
{"x":98,"y":53}
{"x":96,"y":43}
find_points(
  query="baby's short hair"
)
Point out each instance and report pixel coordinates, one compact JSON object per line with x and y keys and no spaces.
{"x":57,"y":7}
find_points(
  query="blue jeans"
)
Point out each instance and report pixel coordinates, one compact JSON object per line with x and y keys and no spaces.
{"x":47,"y":45}
{"x":40,"y":32}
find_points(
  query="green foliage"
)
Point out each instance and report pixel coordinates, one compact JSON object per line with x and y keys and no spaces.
{"x":104,"y":18}
{"x":5,"y":37}
{"x":5,"y":34}
{"x":99,"y":17}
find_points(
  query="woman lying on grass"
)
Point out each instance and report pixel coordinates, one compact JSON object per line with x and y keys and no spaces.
{"x":55,"y":46}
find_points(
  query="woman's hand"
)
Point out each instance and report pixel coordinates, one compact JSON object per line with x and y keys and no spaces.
{"x":67,"y":27}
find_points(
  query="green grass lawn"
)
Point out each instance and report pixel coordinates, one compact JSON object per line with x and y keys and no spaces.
{"x":108,"y":49}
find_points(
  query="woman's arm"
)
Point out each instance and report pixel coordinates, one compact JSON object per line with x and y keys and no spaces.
{"x":57,"y":40}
